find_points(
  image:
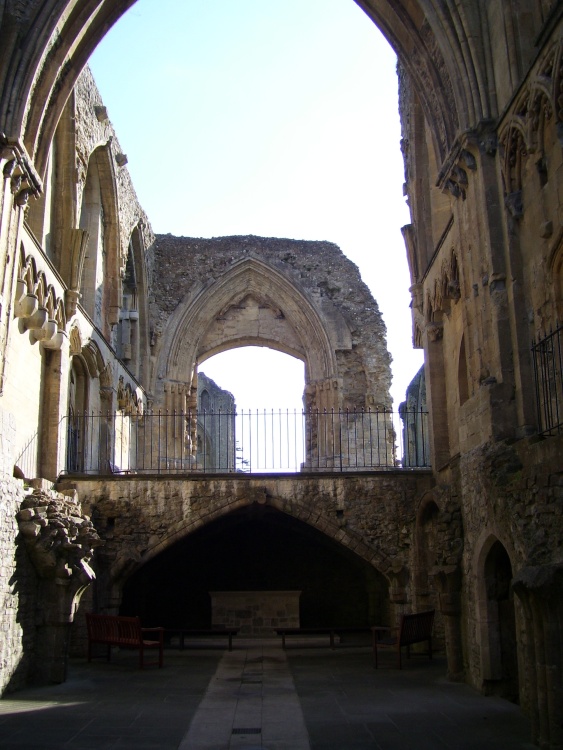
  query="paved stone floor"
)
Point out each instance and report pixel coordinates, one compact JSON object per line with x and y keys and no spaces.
{"x":259,"y":696}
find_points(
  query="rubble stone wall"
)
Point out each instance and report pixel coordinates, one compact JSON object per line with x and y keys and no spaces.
{"x":17,"y":578}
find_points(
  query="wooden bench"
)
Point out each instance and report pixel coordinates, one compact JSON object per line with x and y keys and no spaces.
{"x":203,"y":632}
{"x":414,"y":628}
{"x":331,"y":632}
{"x":124,"y":632}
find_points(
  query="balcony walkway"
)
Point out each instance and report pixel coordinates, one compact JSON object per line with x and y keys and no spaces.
{"x":300,"y":699}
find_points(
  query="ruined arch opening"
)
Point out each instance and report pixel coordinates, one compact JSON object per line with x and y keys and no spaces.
{"x":257,"y":548}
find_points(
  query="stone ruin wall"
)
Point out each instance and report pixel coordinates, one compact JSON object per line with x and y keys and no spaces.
{"x":373,"y":516}
{"x":319,"y":270}
{"x":17,"y":579}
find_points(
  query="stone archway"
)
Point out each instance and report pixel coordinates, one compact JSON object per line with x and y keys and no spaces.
{"x":499,"y":663}
{"x":60,"y":35}
{"x":257,"y":548}
{"x":302,"y":298}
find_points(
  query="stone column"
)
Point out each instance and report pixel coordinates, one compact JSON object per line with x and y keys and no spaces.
{"x":449,"y":583}
{"x":436,"y":396}
{"x":107,"y":418}
{"x":54,"y":426}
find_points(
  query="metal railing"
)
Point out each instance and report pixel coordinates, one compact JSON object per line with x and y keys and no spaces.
{"x":547,"y":355}
{"x":242,"y":441}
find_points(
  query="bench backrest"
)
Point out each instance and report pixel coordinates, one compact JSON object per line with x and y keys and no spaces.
{"x":417,"y":627}
{"x":113,"y":628}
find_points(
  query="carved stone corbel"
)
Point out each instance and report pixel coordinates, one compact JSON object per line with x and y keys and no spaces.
{"x":513,"y":202}
{"x":434,"y":331}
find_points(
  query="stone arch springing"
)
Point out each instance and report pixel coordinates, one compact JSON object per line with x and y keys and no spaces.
{"x":497,"y":619}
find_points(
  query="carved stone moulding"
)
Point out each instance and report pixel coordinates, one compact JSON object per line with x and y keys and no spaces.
{"x":19,"y":168}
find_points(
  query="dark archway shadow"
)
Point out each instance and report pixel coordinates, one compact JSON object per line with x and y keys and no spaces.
{"x":257,"y":548}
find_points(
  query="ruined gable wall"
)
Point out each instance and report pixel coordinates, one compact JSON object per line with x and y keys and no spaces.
{"x":319,"y":270}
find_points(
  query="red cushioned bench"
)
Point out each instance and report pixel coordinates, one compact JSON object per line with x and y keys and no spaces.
{"x":124,"y":632}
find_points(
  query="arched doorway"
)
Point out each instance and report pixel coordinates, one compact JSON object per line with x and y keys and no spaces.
{"x":498,"y":623}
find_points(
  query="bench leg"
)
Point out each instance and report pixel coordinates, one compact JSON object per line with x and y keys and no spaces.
{"x":374,"y":644}
{"x":332,"y":639}
{"x":230,"y":641}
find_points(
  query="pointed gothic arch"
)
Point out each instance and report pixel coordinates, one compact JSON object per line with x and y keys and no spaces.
{"x":192,"y":333}
{"x":441,"y":48}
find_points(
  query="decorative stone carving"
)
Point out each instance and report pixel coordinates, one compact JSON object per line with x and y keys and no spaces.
{"x":38,"y":320}
{"x":434,"y":331}
{"x":71,"y":301}
{"x":56,"y":341}
{"x":27,"y":306}
{"x":59,"y":539}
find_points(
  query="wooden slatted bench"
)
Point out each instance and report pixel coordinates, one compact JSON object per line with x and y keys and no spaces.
{"x":331,"y":632}
{"x":123,"y":632}
{"x":413,"y":628}
{"x":186,"y":633}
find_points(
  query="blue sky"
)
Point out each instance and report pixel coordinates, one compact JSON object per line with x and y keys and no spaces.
{"x":273,"y":119}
